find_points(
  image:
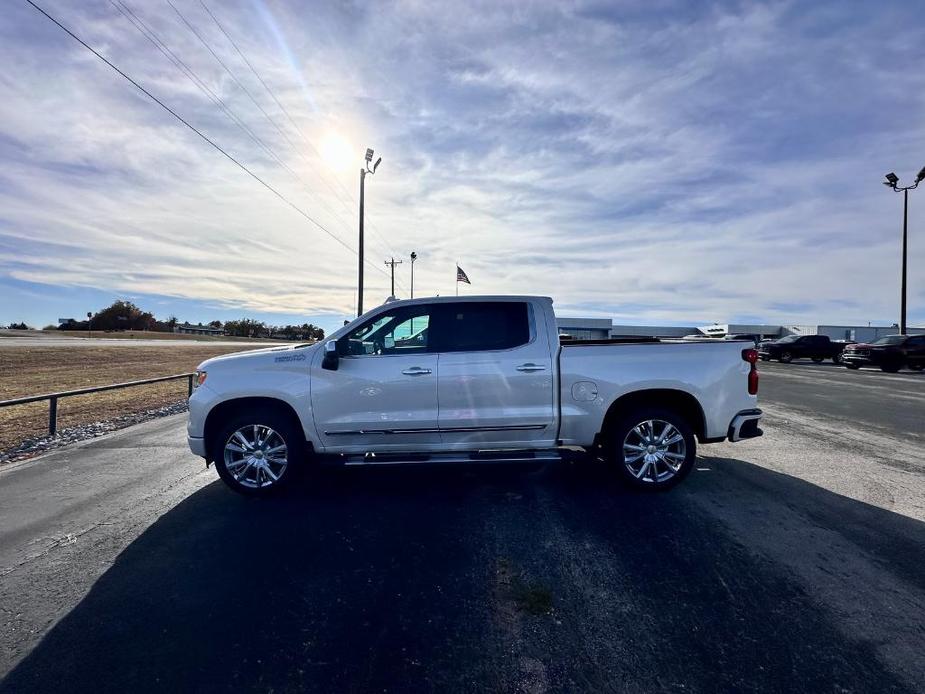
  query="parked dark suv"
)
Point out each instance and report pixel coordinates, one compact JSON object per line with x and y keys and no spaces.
{"x":890,"y":353}
{"x":815,"y":347}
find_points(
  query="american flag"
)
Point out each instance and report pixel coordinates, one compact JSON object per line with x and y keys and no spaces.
{"x":461,"y":276}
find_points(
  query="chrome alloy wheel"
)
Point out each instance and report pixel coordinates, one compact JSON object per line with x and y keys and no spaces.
{"x":255,"y":455}
{"x":654,"y":451}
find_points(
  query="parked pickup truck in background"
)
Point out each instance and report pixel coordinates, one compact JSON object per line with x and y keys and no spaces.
{"x":890,"y":353}
{"x":815,"y":347}
{"x":475,"y":379}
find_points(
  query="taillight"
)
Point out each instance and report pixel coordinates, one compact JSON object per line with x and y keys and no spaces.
{"x":751,"y":356}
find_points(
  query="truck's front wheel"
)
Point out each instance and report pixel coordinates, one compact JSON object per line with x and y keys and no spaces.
{"x":653,"y":448}
{"x":255,"y":453}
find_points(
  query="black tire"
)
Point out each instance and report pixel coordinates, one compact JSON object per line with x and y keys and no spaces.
{"x":282,"y":426}
{"x":891,"y":367}
{"x":620,"y":434}
{"x":853,"y":367}
{"x":817,"y":360}
{"x":836,"y":359}
{"x":764,"y":357}
{"x":785,"y":357}
{"x":916,"y":367}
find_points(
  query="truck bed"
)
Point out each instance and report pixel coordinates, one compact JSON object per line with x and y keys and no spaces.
{"x":595,"y":373}
{"x":625,"y":340}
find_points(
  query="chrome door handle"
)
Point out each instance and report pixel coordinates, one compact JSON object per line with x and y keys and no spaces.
{"x":416,"y":371}
{"x":531,"y":367}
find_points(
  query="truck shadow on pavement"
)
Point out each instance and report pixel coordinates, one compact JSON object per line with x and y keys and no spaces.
{"x":493,"y":579}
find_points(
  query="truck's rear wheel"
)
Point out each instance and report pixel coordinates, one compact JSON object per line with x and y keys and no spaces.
{"x":256,"y":453}
{"x":785,"y":357}
{"x":653,"y":448}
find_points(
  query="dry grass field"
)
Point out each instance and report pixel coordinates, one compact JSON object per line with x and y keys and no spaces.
{"x":132,"y":335}
{"x":33,"y":371}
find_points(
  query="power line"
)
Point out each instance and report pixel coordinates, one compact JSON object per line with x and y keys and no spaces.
{"x":198,"y":82}
{"x":193,"y":128}
{"x":291,"y":120}
{"x":234,"y":77}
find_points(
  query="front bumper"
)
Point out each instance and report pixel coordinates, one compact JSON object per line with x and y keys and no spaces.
{"x":197,"y":445}
{"x":859,"y":359}
{"x":745,"y":425}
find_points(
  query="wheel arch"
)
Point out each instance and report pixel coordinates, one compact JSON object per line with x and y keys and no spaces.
{"x":679,"y":401}
{"x":229,"y":408}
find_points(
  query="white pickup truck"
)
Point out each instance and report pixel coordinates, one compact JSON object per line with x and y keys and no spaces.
{"x":471,"y":379}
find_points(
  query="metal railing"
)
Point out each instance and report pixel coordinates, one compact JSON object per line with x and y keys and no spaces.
{"x":53,"y":397}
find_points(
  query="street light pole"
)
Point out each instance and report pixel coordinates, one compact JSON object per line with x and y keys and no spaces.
{"x":892,"y":180}
{"x":414,"y":256}
{"x":360,"y":247}
{"x":365,"y":170}
{"x":902,"y":309}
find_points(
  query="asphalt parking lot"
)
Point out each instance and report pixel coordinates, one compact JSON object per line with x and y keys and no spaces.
{"x":791,"y":563}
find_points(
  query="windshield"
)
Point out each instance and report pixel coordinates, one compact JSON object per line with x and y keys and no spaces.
{"x":787,"y":340}
{"x":890,"y":340}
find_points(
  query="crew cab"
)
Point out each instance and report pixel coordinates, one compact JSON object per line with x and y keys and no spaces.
{"x":815,"y":347}
{"x":890,"y":353}
{"x":470,"y":380}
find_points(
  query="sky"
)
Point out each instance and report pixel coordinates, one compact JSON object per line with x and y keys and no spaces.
{"x":653,"y":162}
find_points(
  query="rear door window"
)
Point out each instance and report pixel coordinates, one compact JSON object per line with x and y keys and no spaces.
{"x":478,"y":326}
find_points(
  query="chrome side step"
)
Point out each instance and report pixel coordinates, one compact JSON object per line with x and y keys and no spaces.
{"x":453,"y":458}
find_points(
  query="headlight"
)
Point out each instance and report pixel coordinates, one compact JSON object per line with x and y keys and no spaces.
{"x":200,"y":379}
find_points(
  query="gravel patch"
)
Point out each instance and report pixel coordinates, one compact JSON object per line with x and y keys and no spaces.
{"x":40,"y":444}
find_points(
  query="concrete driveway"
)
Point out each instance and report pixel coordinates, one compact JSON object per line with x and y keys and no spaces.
{"x":789,"y":563}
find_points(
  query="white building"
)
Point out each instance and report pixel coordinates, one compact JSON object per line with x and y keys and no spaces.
{"x":602,"y":328}
{"x":187,"y":329}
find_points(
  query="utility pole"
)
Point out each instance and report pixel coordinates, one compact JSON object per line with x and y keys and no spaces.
{"x":892,"y":181}
{"x":393,"y":263}
{"x":363,"y":171}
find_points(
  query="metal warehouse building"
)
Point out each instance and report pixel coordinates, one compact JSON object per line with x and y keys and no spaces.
{"x":602,"y":328}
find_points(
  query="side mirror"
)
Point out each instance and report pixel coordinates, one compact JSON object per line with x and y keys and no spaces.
{"x":331,"y":358}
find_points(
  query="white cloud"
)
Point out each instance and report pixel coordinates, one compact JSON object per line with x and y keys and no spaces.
{"x":658,"y":164}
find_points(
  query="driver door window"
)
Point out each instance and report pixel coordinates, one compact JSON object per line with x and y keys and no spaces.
{"x":402,"y":332}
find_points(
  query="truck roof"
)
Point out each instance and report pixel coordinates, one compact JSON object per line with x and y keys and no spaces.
{"x":467,"y":298}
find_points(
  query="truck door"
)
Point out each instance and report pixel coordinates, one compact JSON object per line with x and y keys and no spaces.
{"x":495,"y":384}
{"x":383,"y":395}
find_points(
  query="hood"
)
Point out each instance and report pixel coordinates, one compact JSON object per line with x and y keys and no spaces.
{"x":258,"y":357}
{"x":870,"y":345}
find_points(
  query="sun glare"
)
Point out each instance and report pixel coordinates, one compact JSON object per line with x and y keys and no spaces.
{"x":337,"y":152}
